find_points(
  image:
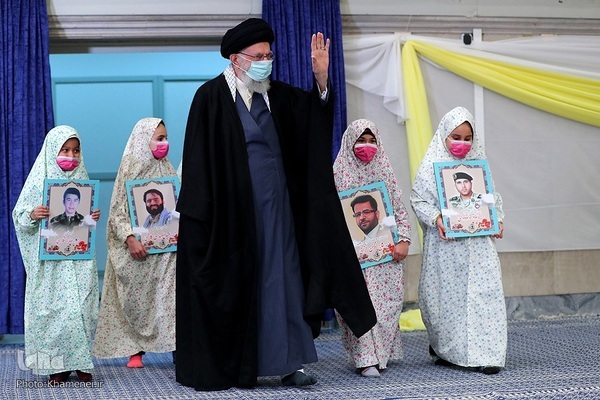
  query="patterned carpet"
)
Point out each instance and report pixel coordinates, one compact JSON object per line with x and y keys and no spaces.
{"x":556,"y":358}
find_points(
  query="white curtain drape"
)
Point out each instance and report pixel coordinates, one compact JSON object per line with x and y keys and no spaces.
{"x":544,"y":166}
{"x":373,"y":63}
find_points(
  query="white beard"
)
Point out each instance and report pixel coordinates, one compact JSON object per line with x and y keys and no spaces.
{"x":256,"y":86}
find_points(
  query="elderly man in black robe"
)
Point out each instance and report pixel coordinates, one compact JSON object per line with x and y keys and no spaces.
{"x":263,"y":247}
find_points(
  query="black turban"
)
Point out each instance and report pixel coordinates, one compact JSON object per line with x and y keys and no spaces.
{"x":462,"y":175}
{"x":247,"y":33}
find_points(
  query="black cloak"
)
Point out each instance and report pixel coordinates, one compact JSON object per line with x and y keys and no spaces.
{"x":216,"y":267}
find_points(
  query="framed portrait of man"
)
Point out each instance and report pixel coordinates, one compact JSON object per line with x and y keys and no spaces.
{"x":466,"y":198}
{"x":370,"y":219}
{"x":152,"y":210}
{"x":69,"y":232}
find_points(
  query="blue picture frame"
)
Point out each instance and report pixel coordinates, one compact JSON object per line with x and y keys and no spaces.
{"x":378,"y":249}
{"x":63,"y":237}
{"x":161,"y":235}
{"x":473,"y":212}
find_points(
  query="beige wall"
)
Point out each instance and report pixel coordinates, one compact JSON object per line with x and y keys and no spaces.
{"x":532,"y":274}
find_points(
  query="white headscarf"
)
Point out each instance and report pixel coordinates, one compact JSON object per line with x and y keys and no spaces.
{"x":61,"y":296}
{"x":437,"y":150}
{"x":44,"y":167}
{"x":425,"y":185}
{"x":138,"y":302}
{"x":137,"y":163}
{"x":350,"y":172}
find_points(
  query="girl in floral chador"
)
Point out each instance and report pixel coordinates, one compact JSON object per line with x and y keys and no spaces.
{"x":137,"y":313}
{"x":362,"y":161}
{"x":61,"y":296}
{"x":460,"y":290}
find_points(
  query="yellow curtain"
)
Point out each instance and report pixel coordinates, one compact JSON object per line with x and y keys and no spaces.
{"x":570,"y":97}
{"x":418,"y":123}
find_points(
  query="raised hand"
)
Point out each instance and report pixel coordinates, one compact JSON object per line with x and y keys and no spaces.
{"x":319,"y":53}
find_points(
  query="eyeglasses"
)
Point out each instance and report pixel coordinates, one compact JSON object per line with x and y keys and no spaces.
{"x":268,"y":56}
{"x":366,"y":213}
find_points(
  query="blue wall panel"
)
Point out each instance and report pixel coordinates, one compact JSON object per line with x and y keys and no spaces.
{"x":104,"y":95}
{"x":178,"y":95}
{"x":104,"y":114}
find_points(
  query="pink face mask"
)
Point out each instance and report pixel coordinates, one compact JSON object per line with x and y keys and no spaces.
{"x":161,"y":151}
{"x":365,"y":151}
{"x":67,"y":163}
{"x":459,"y":148}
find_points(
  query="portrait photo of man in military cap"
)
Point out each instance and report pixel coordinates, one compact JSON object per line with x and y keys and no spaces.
{"x":466,"y":199}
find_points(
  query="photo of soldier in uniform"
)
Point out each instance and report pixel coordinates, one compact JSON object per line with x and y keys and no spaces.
{"x":466,"y":198}
{"x":69,"y":231}
{"x":70,"y":218}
